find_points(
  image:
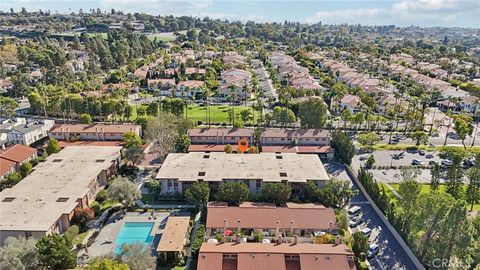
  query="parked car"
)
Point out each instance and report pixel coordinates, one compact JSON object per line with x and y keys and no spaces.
{"x":363,"y":158}
{"x":417,"y":162}
{"x":446,"y":162}
{"x":373,"y":250}
{"x":412,"y":150}
{"x":429,"y":156}
{"x":469,"y":162}
{"x":421,"y":152}
{"x":354,"y":222}
{"x":432,"y":162}
{"x":354,"y":211}
{"x":366,"y":231}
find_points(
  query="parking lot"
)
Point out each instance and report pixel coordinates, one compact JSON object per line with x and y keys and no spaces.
{"x":391,"y":255}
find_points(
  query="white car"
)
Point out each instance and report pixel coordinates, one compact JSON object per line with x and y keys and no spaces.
{"x":366,"y":231}
{"x":354,"y":222}
{"x":373,"y":250}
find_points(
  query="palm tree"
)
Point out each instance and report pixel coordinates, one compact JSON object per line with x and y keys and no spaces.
{"x":206,"y":94}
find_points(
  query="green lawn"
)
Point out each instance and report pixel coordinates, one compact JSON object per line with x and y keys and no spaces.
{"x":79,"y":238}
{"x":218,"y":114}
{"x":165,"y":37}
{"x":425,"y":189}
{"x":171,"y":268}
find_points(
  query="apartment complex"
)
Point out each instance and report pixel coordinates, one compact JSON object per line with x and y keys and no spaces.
{"x":44,"y":202}
{"x":284,"y":140}
{"x":95,"y":132}
{"x":12,"y":157}
{"x":180,"y":170}
{"x":275,"y":256}
{"x":273,"y":222}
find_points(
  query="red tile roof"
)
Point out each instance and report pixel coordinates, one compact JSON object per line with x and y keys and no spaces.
{"x":206,"y":148}
{"x":272,"y":256}
{"x":6,"y":166}
{"x":92,"y":128}
{"x":298,"y":149}
{"x":18,"y":153}
{"x":254,"y":216}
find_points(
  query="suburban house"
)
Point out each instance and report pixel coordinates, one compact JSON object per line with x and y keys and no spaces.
{"x":43,"y":203}
{"x":275,"y":256}
{"x":95,"y":132}
{"x":189,"y":88}
{"x":29,"y":132}
{"x":233,"y":81}
{"x":165,"y":86}
{"x":174,"y":238}
{"x":271,"y":221}
{"x":180,"y":170}
{"x":12,"y":157}
{"x":352,"y":103}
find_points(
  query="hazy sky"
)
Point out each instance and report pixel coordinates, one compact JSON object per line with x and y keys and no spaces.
{"x":464,"y":13}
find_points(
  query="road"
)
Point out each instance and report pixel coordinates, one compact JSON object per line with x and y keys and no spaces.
{"x":391,"y":254}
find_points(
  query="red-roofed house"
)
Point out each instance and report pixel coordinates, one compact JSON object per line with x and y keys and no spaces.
{"x":12,"y":157}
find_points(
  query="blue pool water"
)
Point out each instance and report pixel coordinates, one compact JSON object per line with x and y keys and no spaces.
{"x":134,"y":232}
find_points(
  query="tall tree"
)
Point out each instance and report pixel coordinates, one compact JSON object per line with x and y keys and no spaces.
{"x":124,"y":191}
{"x":277,"y":193}
{"x":473,"y":189}
{"x":198,"y":193}
{"x":312,"y":113}
{"x":56,"y":252}
{"x":233,"y":193}
{"x":343,"y":145}
{"x":19,"y":253}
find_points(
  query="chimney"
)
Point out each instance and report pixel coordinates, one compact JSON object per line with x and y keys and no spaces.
{"x":330,"y":227}
{"x":277,"y":227}
{"x":338,"y":241}
{"x":224,"y":225}
{"x":291,"y":226}
{"x":239,"y":229}
{"x":295,"y":239}
{"x":238,"y":239}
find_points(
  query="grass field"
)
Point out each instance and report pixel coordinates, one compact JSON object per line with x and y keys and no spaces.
{"x":218,"y":114}
{"x":425,"y":189}
{"x":166,"y":37}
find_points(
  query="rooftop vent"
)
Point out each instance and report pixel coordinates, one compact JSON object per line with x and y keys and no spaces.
{"x":57,"y":160}
{"x":283,"y":174}
{"x":279,"y":157}
{"x":8,"y":199}
{"x":201,"y":173}
{"x":100,"y":160}
{"x":62,"y":199}
{"x":206,"y":156}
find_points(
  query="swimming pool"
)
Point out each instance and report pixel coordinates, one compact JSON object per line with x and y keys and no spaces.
{"x":132,"y":232}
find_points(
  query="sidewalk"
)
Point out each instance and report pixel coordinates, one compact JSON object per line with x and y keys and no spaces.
{"x":164,"y":206}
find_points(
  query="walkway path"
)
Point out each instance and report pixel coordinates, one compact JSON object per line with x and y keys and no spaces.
{"x":164,"y":206}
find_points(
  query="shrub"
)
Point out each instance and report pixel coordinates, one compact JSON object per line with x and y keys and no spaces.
{"x":197,"y":242}
{"x":101,"y":196}
{"x":257,"y":237}
{"x":82,"y":216}
{"x":95,"y":206}
{"x":72,"y":232}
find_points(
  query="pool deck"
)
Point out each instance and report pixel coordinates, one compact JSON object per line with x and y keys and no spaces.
{"x":105,"y":241}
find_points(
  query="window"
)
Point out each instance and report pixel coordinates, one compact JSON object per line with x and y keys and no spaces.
{"x":201,"y":173}
{"x":283,"y":174}
{"x":8,"y":199}
{"x":62,"y":199}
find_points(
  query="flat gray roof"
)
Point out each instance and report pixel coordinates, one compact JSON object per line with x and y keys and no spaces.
{"x":67,"y":174}
{"x":269,"y":167}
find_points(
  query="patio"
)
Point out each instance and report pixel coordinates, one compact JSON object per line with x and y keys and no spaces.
{"x":105,"y":242}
